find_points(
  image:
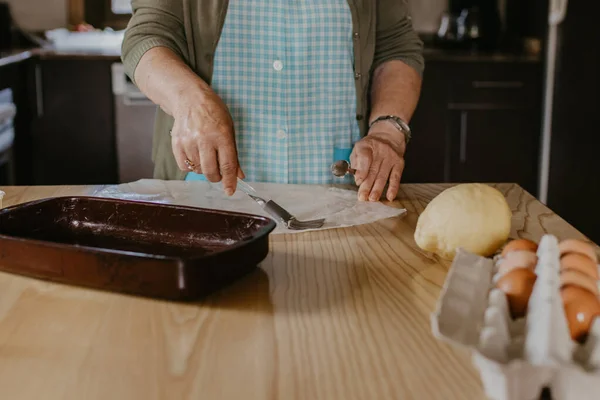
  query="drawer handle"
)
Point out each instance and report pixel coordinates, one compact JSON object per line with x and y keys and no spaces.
{"x":498,"y":84}
{"x":463,"y":136}
{"x":39,"y":91}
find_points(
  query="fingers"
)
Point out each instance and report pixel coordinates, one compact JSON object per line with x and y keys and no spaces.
{"x":209,"y":163}
{"x":364,"y":191}
{"x":228,"y":167}
{"x":380,"y":181}
{"x":395,"y":177}
{"x":204,"y":134}
{"x":179,"y":154}
{"x":184,"y":150}
{"x":216,"y":164}
{"x":192,"y":155}
{"x":361,"y":160}
{"x":377,"y":165}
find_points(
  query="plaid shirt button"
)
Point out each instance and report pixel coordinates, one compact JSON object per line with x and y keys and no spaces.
{"x":281,"y":134}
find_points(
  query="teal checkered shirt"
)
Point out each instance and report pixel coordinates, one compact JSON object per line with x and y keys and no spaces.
{"x":285,"y":70}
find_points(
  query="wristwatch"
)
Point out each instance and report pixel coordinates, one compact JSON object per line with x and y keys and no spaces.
{"x":397,"y":122}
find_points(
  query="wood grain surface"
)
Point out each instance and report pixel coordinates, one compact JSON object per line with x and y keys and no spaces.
{"x":337,"y":314}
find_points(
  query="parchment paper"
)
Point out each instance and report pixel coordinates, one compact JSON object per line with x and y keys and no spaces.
{"x":340,"y":207}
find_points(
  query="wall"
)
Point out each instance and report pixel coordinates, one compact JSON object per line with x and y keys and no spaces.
{"x":48,"y":14}
{"x":426,"y":14}
{"x":39,"y":15}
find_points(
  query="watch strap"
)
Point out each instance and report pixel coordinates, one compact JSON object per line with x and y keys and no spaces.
{"x":397,"y":122}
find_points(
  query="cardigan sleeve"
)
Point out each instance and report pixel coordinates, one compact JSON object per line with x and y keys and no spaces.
{"x":396,"y":38}
{"x":154,"y":23}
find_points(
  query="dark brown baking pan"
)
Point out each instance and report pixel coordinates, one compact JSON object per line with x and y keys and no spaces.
{"x":139,"y":248}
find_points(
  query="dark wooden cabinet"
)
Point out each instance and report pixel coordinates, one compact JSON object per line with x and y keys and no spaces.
{"x":13,"y":77}
{"x":73,"y":133}
{"x":426,"y":152}
{"x":477,"y":122}
{"x":493,"y":145}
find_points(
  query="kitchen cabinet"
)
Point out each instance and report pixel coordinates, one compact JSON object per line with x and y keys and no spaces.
{"x":72,"y":134}
{"x":493,"y":145}
{"x":13,"y":77}
{"x":477,"y":122}
{"x":425,"y":154}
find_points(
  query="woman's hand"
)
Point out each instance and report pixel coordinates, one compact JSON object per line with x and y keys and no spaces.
{"x":379,"y":159}
{"x":203,"y":134}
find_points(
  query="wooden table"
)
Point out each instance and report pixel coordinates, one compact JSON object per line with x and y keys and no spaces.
{"x":338,"y":314}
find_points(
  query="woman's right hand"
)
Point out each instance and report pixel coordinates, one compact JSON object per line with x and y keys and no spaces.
{"x":204,"y":135}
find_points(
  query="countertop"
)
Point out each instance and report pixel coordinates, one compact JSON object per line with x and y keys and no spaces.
{"x":19,"y":55}
{"x":88,"y":55}
{"x":338,"y":314}
{"x":14,"y":56}
{"x":436,"y":51}
{"x":431,"y":53}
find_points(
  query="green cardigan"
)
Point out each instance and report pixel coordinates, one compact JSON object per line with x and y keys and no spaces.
{"x":191,"y":28}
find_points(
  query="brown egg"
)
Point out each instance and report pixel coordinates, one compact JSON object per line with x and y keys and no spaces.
{"x":519,"y":244}
{"x":577,"y":246}
{"x":571,"y":277}
{"x":579,"y":262}
{"x":517,"y":259}
{"x":581,"y":308}
{"x":570,"y":293}
{"x":517,"y":285}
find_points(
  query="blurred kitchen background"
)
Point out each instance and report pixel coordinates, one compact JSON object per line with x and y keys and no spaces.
{"x":510,"y":94}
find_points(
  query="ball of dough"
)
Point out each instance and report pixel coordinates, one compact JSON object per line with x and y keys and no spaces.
{"x":473,"y":216}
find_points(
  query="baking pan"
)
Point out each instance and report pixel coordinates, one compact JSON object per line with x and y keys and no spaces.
{"x":146,"y":249}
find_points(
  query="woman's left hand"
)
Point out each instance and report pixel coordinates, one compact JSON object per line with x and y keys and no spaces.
{"x":378,"y":159}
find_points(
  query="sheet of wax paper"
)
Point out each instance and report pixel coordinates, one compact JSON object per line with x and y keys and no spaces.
{"x":339,"y":206}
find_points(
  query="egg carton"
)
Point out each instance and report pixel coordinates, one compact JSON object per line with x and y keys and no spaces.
{"x":517,"y":359}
